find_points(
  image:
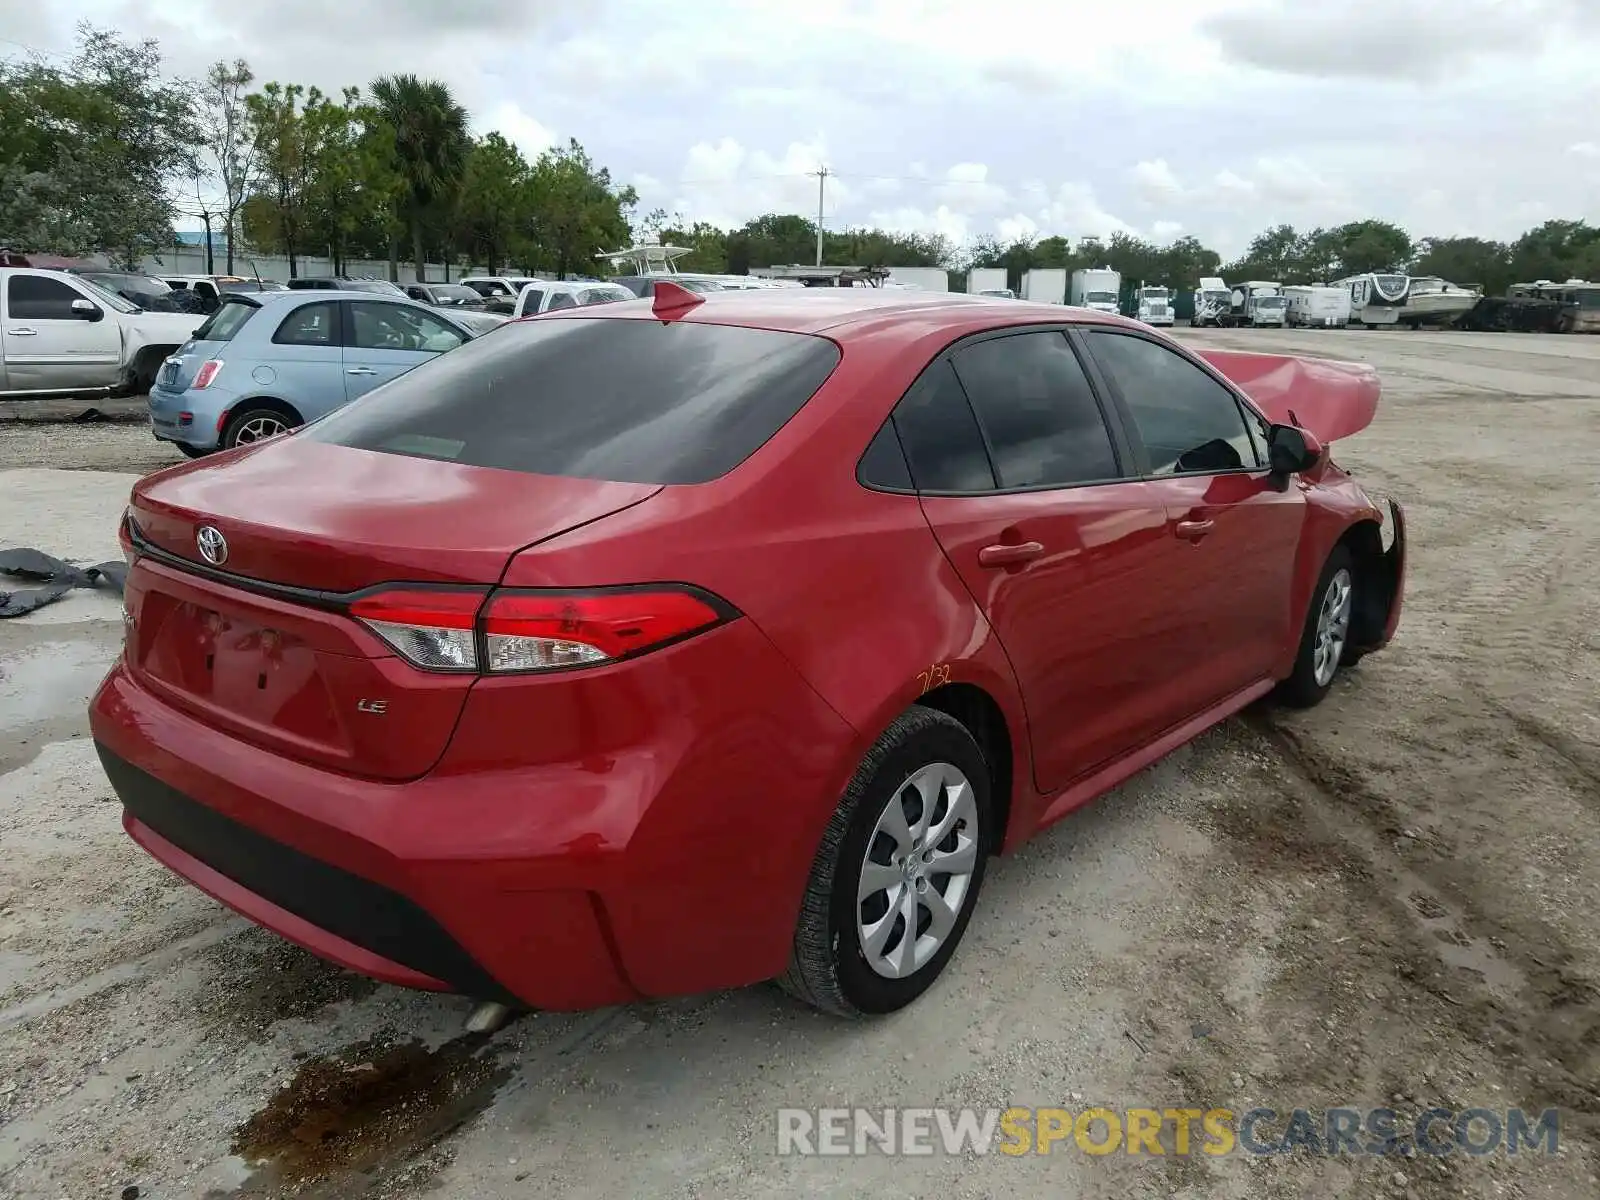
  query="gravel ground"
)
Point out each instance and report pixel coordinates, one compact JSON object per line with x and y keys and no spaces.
{"x":1386,"y":901}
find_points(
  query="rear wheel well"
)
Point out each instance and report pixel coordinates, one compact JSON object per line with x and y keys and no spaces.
{"x":258,"y":404}
{"x":981,"y":716}
{"x":1370,"y":608}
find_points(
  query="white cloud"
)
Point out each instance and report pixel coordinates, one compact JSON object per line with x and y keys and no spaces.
{"x":1154,"y":181}
{"x":1007,"y":118}
{"x":523,"y":131}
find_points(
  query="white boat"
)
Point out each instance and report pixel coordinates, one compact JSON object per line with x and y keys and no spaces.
{"x":645,"y":258}
{"x":1432,"y":301}
{"x":1376,"y":299}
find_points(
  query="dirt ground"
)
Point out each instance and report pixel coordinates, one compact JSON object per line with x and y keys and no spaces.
{"x":1387,"y":901}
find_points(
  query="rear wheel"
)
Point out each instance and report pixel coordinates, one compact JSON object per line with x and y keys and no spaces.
{"x":1325,"y":640}
{"x":255,"y":424}
{"x":898,"y":873}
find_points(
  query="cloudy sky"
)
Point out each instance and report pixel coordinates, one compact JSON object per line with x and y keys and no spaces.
{"x":1164,"y":117}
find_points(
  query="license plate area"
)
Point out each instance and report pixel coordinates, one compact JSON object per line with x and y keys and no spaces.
{"x":238,"y":668}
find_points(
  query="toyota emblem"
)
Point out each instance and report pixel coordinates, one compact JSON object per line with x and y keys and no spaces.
{"x":213,"y":546}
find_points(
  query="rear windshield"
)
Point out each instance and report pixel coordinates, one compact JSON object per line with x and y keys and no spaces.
{"x":628,"y":401}
{"x":221,"y":325}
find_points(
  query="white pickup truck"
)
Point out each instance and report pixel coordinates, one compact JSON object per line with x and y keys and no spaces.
{"x":61,"y":335}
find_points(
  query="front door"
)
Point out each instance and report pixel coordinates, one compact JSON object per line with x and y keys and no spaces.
{"x":1030,"y":495}
{"x":385,"y":340}
{"x":1204,"y":453}
{"x":50,"y":347}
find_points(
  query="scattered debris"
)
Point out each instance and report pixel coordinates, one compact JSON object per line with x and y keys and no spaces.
{"x":56,"y":578}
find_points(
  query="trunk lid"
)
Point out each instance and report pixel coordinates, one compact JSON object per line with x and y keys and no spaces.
{"x":259,"y":645}
{"x":1332,"y":399}
{"x":309,"y":514}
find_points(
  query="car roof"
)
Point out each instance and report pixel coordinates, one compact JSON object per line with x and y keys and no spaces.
{"x":839,"y":312}
{"x":323,"y":295}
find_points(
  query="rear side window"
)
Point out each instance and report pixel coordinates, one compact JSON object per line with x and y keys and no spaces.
{"x":560,"y":300}
{"x":1034,"y":401}
{"x":941,"y":439}
{"x":531,"y":299}
{"x":309,"y":325}
{"x":221,"y":325}
{"x":629,"y":401}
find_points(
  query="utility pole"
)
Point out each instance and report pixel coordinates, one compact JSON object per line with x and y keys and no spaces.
{"x":822,"y":181}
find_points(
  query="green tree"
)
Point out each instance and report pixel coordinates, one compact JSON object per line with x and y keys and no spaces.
{"x":708,"y":248}
{"x":275,"y":215}
{"x":94,"y":149}
{"x":431,"y":146}
{"x":1466,"y":261}
{"x":229,"y":138}
{"x":1373,"y":246}
{"x":1556,"y":250}
{"x":577,"y":210}
{"x":493,"y":218}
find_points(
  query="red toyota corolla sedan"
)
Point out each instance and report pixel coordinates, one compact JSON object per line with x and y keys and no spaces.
{"x":653,"y":648}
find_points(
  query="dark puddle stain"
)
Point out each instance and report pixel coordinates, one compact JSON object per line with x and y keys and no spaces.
{"x":374,"y":1105}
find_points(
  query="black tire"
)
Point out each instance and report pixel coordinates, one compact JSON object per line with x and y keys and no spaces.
{"x":828,"y":968}
{"x":240,"y":423}
{"x":1302,"y":689}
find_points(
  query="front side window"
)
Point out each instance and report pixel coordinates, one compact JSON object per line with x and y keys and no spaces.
{"x":378,"y":326}
{"x":560,"y":300}
{"x":1190,"y":424}
{"x":1034,"y":402}
{"x":35,"y":298}
{"x":309,"y":325}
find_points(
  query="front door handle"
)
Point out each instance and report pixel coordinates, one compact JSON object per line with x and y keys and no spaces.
{"x":1009,"y":554}
{"x":23,"y":332}
{"x":1194,"y":530}
{"x":360,"y":371}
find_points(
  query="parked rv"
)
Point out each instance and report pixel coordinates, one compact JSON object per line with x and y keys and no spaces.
{"x":1317,"y":306}
{"x":1097,"y":289}
{"x":1212,"y":301}
{"x":924,"y":279}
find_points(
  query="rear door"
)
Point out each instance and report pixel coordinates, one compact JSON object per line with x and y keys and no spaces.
{"x":306,"y":357}
{"x":47,"y":346}
{"x":1030,"y":490}
{"x":1204,"y":452}
{"x":383,"y":341}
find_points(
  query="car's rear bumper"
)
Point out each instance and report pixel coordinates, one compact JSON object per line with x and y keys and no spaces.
{"x":673,"y":864}
{"x":178,"y":416}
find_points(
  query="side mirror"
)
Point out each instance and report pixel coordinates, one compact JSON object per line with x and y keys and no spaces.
{"x":86,"y":310}
{"x":1292,"y":450}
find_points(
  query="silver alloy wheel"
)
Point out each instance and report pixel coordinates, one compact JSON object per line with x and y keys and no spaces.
{"x":1333,"y":627}
{"x":260,"y":428}
{"x":917,"y":870}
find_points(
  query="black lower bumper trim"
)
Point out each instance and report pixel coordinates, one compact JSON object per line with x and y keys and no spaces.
{"x":362,"y":912}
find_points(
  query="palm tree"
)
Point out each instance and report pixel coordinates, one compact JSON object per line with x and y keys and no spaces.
{"x":431,"y":143}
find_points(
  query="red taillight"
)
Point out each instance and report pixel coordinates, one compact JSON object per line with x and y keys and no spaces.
{"x":432,"y":628}
{"x":520,"y":631}
{"x":542,"y":631}
{"x":207,"y":372}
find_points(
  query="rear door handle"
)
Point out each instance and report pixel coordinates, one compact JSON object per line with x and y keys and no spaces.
{"x":1194,"y":530}
{"x":1009,"y":554}
{"x":23,"y":332}
{"x":360,"y":371}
